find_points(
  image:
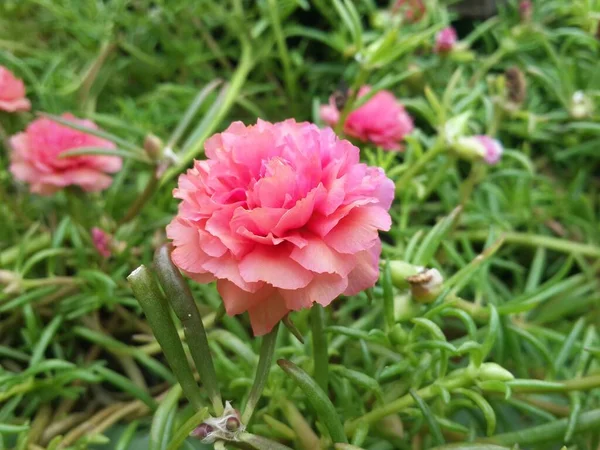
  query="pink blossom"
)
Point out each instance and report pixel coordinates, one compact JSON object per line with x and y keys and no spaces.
{"x":479,"y":147}
{"x":492,"y":149}
{"x":12,"y":92}
{"x":413,"y":10}
{"x":382,"y":120}
{"x":101,"y":242}
{"x":281,"y":215}
{"x":445,"y":40}
{"x":36,"y":157}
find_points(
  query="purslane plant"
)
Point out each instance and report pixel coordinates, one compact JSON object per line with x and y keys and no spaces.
{"x":481,"y":329}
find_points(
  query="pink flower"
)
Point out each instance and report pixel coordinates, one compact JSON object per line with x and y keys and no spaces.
{"x":382,"y":120}
{"x":101,"y":242}
{"x":12,"y":92}
{"x":282,"y":215}
{"x":413,"y":10}
{"x":445,"y":40}
{"x":36,"y":157}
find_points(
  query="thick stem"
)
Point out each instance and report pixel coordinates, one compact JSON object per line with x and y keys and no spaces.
{"x":180,"y":297}
{"x":146,"y":291}
{"x":320,"y":346}
{"x":265,"y":360}
{"x":140,"y":201}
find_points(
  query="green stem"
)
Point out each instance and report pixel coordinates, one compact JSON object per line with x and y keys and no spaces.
{"x":533,"y":240}
{"x":283,"y":52}
{"x":457,"y":379}
{"x":146,"y":291}
{"x":267,"y":349}
{"x":415,"y":168}
{"x":230,"y":97}
{"x":549,"y":431}
{"x":180,"y":297}
{"x":320,"y":346}
{"x":140,"y":201}
{"x":360,"y":79}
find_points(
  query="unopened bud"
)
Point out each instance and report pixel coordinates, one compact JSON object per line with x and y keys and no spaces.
{"x":516,"y":85}
{"x":400,"y":271}
{"x":456,"y":127}
{"x":445,"y":41}
{"x":398,"y":335}
{"x":232,"y":424}
{"x":426,"y":285}
{"x":525,"y":10}
{"x":581,"y":105}
{"x":202,"y":431}
{"x":153,"y":147}
{"x":493,"y":371}
{"x":480,"y":147}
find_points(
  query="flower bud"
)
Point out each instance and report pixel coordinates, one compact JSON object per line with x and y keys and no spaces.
{"x":480,"y":147}
{"x":445,"y":41}
{"x":525,"y":10}
{"x":101,"y":241}
{"x":426,"y":285}
{"x":456,"y":127}
{"x":153,"y":146}
{"x":202,"y":431}
{"x":516,"y":85}
{"x":400,"y":271}
{"x":493,"y":371}
{"x":398,"y":335}
{"x":12,"y":281}
{"x":581,"y":105}
{"x":232,"y":424}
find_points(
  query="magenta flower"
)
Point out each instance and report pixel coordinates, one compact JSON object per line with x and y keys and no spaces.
{"x":12,"y":92}
{"x":282,"y":215}
{"x":36,"y":157}
{"x":445,"y":40}
{"x":101,"y":241}
{"x":382,"y":120}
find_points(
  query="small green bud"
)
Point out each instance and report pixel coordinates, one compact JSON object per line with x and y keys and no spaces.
{"x":398,"y":335}
{"x":493,"y":371}
{"x":400,"y":271}
{"x":153,"y":147}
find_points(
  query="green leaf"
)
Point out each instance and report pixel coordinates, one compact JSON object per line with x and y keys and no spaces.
{"x":318,"y":399}
{"x":432,"y":423}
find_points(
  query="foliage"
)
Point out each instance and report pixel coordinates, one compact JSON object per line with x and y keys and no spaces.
{"x":507,"y":352}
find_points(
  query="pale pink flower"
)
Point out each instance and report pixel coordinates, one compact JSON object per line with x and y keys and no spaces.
{"x":413,"y":10}
{"x":492,"y":149}
{"x":36,"y":157}
{"x":445,"y":40}
{"x":382,"y":120}
{"x":101,"y":241}
{"x":12,"y":92}
{"x":480,"y":147}
{"x":282,"y":215}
